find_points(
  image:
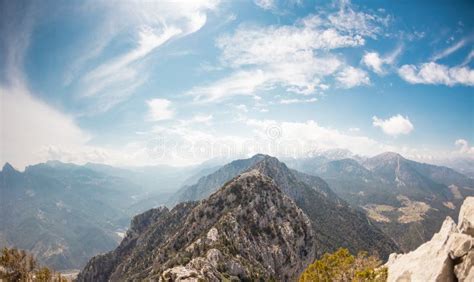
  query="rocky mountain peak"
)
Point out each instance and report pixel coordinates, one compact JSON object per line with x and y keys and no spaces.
{"x":384,"y":158}
{"x":449,"y":254}
{"x":310,"y":193}
{"x":247,"y":230}
{"x":332,"y":154}
{"x":260,"y":156}
{"x":9,"y":171}
{"x":8,"y":168}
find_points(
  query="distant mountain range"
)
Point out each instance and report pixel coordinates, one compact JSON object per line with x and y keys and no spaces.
{"x":65,"y":213}
{"x":407,"y":199}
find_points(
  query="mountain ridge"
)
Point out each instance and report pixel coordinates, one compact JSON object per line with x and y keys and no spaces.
{"x":248,"y":229}
{"x":315,"y":198}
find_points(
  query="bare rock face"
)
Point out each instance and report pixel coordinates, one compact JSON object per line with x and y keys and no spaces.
{"x":448,"y":256}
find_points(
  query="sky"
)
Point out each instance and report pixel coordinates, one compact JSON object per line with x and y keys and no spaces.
{"x":179,"y":82}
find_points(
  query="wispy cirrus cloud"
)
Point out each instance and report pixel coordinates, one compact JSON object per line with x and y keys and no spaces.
{"x":468,"y":58}
{"x":107,"y":81}
{"x":450,"y":50}
{"x":297,"y":101}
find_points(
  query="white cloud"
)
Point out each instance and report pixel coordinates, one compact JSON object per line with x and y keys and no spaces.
{"x":202,"y":118}
{"x":242,"y":108}
{"x":265,"y":4}
{"x":186,"y":144}
{"x":301,"y":138}
{"x":295,"y":57}
{"x":150,"y":24}
{"x":159,"y":109}
{"x":448,"y":51}
{"x":357,"y":23}
{"x":469,"y":58}
{"x":297,"y":101}
{"x":118,"y":69}
{"x":351,"y":77}
{"x":354,"y":129}
{"x":394,"y":126}
{"x":239,"y":83}
{"x":373,"y":61}
{"x":464,"y":147}
{"x":28,"y":127}
{"x":376,"y":63}
{"x":433,"y":73}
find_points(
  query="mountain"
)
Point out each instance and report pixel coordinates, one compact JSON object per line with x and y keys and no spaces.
{"x":408,"y":200}
{"x":317,"y":158}
{"x":247,"y":230}
{"x":463,"y":165}
{"x":65,"y":213}
{"x":62,"y":222}
{"x":210,"y":183}
{"x":312,"y":194}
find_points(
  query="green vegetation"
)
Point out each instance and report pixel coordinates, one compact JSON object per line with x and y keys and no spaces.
{"x":342,"y":266}
{"x":18,"y":265}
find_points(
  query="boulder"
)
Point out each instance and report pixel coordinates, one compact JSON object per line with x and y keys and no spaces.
{"x":180,"y":273}
{"x":406,"y":267}
{"x":448,"y":256}
{"x":466,"y":217}
{"x":464,"y":270}
{"x":460,"y":245}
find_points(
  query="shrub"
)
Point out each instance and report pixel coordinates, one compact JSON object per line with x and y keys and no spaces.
{"x":17,"y":265}
{"x":342,"y":266}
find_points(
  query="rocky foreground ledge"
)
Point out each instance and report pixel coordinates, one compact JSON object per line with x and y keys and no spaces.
{"x":448,"y":256}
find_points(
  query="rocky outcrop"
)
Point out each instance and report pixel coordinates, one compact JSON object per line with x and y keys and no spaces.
{"x":448,"y":256}
{"x":247,"y":230}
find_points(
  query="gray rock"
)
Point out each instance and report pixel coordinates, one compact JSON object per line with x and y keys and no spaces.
{"x":466,"y":217}
{"x":460,"y":245}
{"x":464,"y":270}
{"x":413,"y":265}
{"x":448,"y":256}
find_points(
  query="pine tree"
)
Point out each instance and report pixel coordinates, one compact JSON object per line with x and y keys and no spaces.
{"x":342,"y":266}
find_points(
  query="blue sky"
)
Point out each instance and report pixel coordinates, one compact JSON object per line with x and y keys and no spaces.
{"x":135,"y":83}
